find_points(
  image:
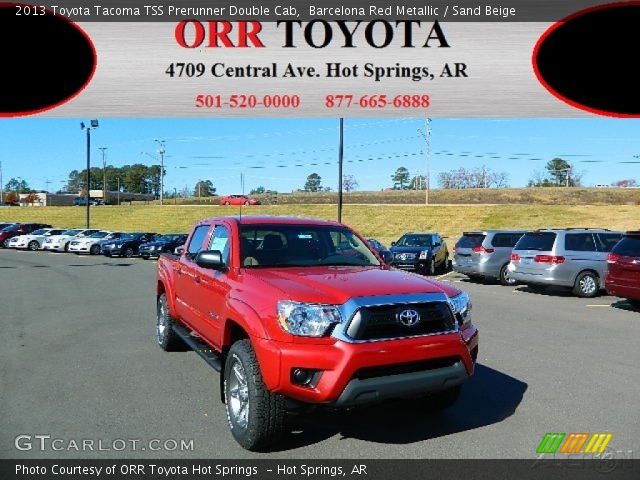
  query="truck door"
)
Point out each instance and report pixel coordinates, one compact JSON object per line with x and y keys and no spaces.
{"x":186,"y":272}
{"x":213,"y":288}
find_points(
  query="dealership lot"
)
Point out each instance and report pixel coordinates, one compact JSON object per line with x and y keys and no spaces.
{"x":79,"y":361}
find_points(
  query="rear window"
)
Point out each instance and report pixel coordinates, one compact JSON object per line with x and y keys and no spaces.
{"x":629,"y":246}
{"x":505,"y":239}
{"x":470,"y":240}
{"x":606,"y":241}
{"x":541,"y":241}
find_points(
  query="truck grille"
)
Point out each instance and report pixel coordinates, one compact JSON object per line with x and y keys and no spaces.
{"x":400,"y":321}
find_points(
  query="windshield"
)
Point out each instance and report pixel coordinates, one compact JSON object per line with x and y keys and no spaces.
{"x":414,"y":240}
{"x":98,"y":235}
{"x":72,"y":233}
{"x":629,"y":246}
{"x":470,"y":240}
{"x":42,"y":231}
{"x":10,"y":228}
{"x":541,"y":241}
{"x":302,"y":245}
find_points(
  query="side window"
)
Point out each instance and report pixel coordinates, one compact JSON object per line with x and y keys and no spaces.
{"x":195,"y":245}
{"x":606,"y":241}
{"x":579,"y":242}
{"x":500,"y":240}
{"x":220,"y":242}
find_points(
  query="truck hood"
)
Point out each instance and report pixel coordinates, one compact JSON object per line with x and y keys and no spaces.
{"x":336,"y":285}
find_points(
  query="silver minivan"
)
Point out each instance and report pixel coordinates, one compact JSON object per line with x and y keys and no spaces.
{"x":486,"y":254}
{"x":573,"y":257}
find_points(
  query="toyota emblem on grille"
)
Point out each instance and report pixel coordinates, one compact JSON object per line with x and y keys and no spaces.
{"x":408,"y":318}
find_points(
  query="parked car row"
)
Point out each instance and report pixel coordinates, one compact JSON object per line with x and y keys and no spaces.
{"x":584,"y":260}
{"x":37,"y":236}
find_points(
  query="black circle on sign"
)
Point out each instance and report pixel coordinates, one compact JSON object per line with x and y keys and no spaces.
{"x":589,"y":59}
{"x":46,"y":60}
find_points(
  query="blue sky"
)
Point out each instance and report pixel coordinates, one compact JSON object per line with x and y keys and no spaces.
{"x":280,"y":153}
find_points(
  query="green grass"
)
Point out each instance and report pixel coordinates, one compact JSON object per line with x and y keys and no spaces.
{"x":384,"y":222}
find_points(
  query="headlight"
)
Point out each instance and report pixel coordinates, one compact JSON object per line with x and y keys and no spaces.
{"x":462,"y":307}
{"x":423,"y":254}
{"x":305,"y":319}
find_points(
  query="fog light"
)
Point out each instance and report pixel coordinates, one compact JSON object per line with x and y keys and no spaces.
{"x":304,"y":377}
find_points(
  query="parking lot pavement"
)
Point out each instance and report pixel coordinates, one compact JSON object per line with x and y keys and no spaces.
{"x":78,"y":361}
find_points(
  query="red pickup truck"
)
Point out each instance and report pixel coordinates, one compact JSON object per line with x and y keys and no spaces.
{"x":296,"y":311}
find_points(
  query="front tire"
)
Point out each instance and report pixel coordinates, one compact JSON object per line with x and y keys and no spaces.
{"x":431,"y":267}
{"x":33,"y":246}
{"x":255,"y":415}
{"x":5,"y":243}
{"x":66,"y":247}
{"x":505,"y":279}
{"x":94,"y":250}
{"x":165,"y":335}
{"x":587,"y":285}
{"x":128,"y":252}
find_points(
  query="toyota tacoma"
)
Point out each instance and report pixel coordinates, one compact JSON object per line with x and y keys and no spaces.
{"x":296,"y":312}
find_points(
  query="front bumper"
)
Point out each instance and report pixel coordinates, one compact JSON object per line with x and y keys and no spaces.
{"x":17,"y":244}
{"x":341,"y":364}
{"x":79,"y":248}
{"x":57,"y":247}
{"x":417,"y":266}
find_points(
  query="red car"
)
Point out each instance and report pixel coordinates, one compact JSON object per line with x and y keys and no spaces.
{"x":238,"y":200}
{"x":296,"y":312}
{"x":623,"y":273}
{"x":13,"y":230}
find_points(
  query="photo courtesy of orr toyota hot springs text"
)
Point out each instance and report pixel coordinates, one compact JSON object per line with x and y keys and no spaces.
{"x":291,"y":239}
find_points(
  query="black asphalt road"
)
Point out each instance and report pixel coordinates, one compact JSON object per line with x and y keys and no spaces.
{"x":78,"y":361}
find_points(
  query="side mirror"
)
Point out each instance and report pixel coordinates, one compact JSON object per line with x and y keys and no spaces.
{"x":437,"y":244}
{"x":211,"y":259}
{"x":179,"y":250}
{"x":386,"y":256}
{"x":393,"y":244}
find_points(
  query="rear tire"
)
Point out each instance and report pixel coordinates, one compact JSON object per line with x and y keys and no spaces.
{"x":5,"y":244}
{"x":166,"y":337}
{"x":33,"y":246}
{"x":587,"y":285}
{"x":505,"y":279}
{"x":94,"y":250}
{"x":431,"y":267}
{"x":128,"y":252}
{"x":66,"y":247}
{"x":255,"y":415}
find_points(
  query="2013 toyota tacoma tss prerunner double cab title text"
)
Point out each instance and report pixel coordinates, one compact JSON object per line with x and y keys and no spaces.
{"x":299,"y":311}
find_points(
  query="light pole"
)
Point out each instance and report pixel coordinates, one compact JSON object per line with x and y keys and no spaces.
{"x":161,"y":152}
{"x":340,"y":161}
{"x":92,"y":124}
{"x":1,"y":187}
{"x":427,"y":137}
{"x":118,"y":191}
{"x":104,"y":174}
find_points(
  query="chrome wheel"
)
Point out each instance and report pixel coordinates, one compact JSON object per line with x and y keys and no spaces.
{"x":506,"y":278}
{"x":161,"y":326}
{"x":238,"y":400}
{"x":588,"y":285}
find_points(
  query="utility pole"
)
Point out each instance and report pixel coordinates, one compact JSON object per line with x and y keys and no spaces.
{"x":340,"y":161}
{"x":92,"y":124}
{"x":104,"y":174}
{"x":161,"y":152}
{"x":118,"y":191}
{"x":427,"y":138}
{"x":1,"y":187}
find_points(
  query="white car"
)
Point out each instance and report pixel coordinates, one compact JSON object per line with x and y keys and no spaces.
{"x":91,"y":243}
{"x":35,"y":240}
{"x":60,"y":243}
